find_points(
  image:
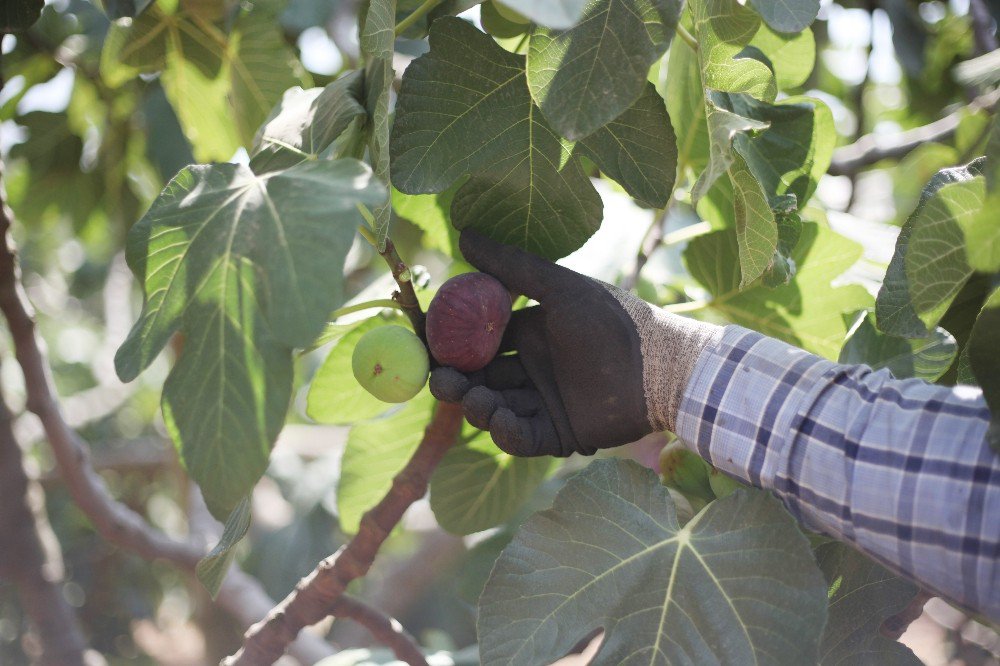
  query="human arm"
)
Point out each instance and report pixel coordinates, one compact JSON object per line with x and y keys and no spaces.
{"x":901,"y":468}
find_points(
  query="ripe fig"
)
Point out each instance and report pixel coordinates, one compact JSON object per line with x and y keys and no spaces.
{"x":466,"y":321}
{"x":391,"y":363}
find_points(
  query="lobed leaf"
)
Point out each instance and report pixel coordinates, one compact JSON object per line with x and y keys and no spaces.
{"x":737,"y":584}
{"x":863,"y":595}
{"x":478,"y":486}
{"x":586,"y":76}
{"x":464,"y":109}
{"x":376,"y":451}
{"x":808,"y":311}
{"x":222,"y":85}
{"x":247,"y":267}
{"x":929,"y":265}
{"x":927,"y":358}
{"x":307,"y":123}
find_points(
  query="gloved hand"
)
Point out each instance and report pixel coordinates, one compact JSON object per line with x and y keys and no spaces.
{"x":594,"y":366}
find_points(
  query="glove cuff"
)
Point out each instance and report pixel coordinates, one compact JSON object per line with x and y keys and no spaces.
{"x":670,"y":346}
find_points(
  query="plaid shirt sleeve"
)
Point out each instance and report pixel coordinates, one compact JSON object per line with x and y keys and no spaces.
{"x":901,"y":468}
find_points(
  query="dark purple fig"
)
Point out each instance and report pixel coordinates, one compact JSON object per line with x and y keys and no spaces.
{"x":466,"y":320}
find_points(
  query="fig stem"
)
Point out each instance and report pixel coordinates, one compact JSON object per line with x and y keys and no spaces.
{"x":405,"y":296}
{"x":415,"y":16}
{"x":357,"y":307}
{"x":688,"y":38}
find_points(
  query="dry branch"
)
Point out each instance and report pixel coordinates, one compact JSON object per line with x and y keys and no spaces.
{"x":873,"y":148}
{"x":315,"y":594}
{"x":386,"y":630}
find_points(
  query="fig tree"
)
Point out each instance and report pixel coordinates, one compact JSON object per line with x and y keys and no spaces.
{"x":391,"y":363}
{"x":466,"y":321}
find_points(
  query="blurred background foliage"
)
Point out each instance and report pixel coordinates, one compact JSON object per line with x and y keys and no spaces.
{"x":87,"y":144}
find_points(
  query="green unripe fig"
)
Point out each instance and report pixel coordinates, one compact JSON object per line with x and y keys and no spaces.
{"x":511,"y":15}
{"x":391,"y":363}
{"x":723,"y":485}
{"x":685,"y":471}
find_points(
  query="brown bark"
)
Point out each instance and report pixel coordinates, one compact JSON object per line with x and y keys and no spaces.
{"x":315,"y":594}
{"x":24,"y":563}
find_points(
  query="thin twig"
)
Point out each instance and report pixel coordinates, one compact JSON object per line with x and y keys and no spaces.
{"x":386,"y":630}
{"x":314,"y":595}
{"x":114,"y":521}
{"x":873,"y":148}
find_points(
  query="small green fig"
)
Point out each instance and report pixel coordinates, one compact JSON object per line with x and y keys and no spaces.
{"x":723,"y":485}
{"x":510,"y":14}
{"x":391,"y":363}
{"x":685,"y":471}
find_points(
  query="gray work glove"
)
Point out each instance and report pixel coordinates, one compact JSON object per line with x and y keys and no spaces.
{"x":594,"y":366}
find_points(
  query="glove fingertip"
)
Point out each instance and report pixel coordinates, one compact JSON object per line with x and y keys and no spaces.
{"x":448,"y":384}
{"x":479,"y":405}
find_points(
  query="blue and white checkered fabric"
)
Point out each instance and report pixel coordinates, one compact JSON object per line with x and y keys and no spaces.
{"x":901,"y":468}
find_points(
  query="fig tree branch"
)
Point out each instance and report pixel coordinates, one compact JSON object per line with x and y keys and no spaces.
{"x":24,"y":563}
{"x":313,"y":597}
{"x":115,"y":522}
{"x":386,"y":630}
{"x":873,"y":148}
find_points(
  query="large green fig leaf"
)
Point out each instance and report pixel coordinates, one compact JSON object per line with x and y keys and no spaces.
{"x":737,"y":584}
{"x":222,"y":85}
{"x":927,"y":358}
{"x":376,"y":451}
{"x":808,"y":311}
{"x":478,"y":486}
{"x":758,"y":161}
{"x":585,"y":77}
{"x":982,"y":231}
{"x":862,"y":596}
{"x":557,"y":14}
{"x":929,"y":265}
{"x":638,"y":149}
{"x":306,"y":123}
{"x":247,"y":267}
{"x":464,"y":109}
